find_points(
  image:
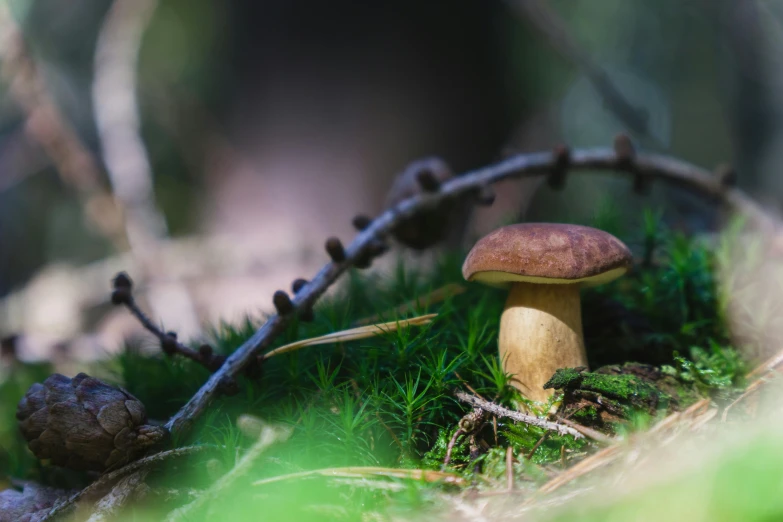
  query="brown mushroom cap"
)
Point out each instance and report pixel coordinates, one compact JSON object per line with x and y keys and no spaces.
{"x":549,"y":253}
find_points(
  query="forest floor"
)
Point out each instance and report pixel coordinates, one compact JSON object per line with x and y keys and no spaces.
{"x":377,"y":428}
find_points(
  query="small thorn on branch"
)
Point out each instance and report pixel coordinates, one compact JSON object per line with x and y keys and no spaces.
{"x":282,"y":303}
{"x":427,"y":181}
{"x":626,"y":160}
{"x":375,"y":248}
{"x":334,"y":248}
{"x":361,"y":222}
{"x":624,"y":151}
{"x":205,"y":351}
{"x":306,"y":313}
{"x":168,"y":343}
{"x":297,"y":285}
{"x":209,"y":359}
{"x":561,"y":159}
{"x":123,"y":288}
{"x":122,"y":281}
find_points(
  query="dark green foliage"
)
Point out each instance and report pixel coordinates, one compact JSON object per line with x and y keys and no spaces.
{"x":713,"y":367}
{"x":162,"y":383}
{"x":667,"y":306}
{"x":524,"y":438}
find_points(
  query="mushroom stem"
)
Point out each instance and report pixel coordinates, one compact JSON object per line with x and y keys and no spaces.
{"x":540,"y":331}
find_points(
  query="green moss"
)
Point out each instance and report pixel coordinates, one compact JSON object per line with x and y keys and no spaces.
{"x":629,"y":389}
{"x":587,"y":415}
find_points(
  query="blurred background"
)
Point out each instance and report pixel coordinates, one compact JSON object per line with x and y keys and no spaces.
{"x":208,"y":147}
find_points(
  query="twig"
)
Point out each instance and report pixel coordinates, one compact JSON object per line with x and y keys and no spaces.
{"x":105,"y":481}
{"x":450,"y":447}
{"x":123,"y":295}
{"x":650,"y":166}
{"x":500,"y":411}
{"x":107,"y":507}
{"x":469,"y":424}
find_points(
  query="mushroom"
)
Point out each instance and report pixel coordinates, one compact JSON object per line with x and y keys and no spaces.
{"x":544,"y":265}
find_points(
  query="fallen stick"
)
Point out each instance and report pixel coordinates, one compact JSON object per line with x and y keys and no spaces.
{"x":500,"y":411}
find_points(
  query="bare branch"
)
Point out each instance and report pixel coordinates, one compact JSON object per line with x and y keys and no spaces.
{"x":123,"y":295}
{"x":649,"y":166}
{"x":500,"y":411}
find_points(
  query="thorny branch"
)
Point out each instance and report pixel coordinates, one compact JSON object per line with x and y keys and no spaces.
{"x":644,"y":168}
{"x":123,"y":294}
{"x":500,"y":411}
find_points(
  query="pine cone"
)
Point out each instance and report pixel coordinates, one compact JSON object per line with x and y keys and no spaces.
{"x":85,"y":424}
